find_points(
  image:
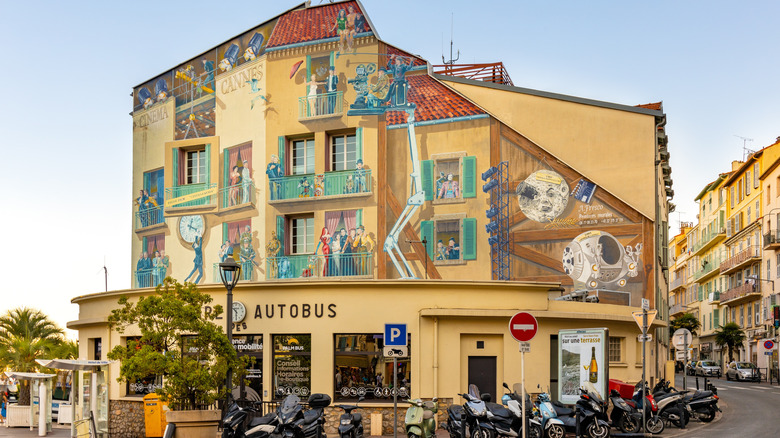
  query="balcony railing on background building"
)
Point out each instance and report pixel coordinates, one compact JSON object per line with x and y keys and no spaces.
{"x":772,"y":239}
{"x":714,"y":297}
{"x":147,"y":217}
{"x":320,"y":266}
{"x":492,"y":72}
{"x":708,"y":267}
{"x":191,"y":189}
{"x":747,"y":290}
{"x":677,"y":308}
{"x":321,"y":106}
{"x":310,"y":186}
{"x":707,"y":239}
{"x":740,"y":258}
{"x":677,"y":283}
{"x":237,"y":195}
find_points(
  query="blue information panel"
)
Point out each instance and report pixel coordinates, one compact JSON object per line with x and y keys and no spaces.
{"x":395,"y":335}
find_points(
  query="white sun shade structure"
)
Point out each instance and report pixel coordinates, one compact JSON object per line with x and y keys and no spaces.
{"x":44,"y":398}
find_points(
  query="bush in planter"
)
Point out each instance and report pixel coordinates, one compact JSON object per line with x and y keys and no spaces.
{"x":179,"y":341}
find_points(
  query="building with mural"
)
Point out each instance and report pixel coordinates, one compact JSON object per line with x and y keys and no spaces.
{"x":357,"y":185}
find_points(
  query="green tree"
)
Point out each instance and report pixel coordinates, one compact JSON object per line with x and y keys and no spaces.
{"x":731,"y":336}
{"x":179,"y":341}
{"x":25,"y":335}
{"x":688,"y":321}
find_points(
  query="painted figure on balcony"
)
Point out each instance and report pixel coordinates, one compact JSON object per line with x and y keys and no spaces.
{"x":347,"y":257}
{"x":143,"y":270}
{"x":165,"y":263}
{"x":197,"y":262}
{"x":157,"y":269}
{"x":305,"y":187}
{"x":272,"y":249}
{"x":449,"y":188}
{"x":440,"y":183}
{"x":349,"y":185}
{"x":285,"y":268}
{"x":225,"y":251}
{"x":363,"y":246}
{"x":246,"y":235}
{"x":246,"y":182}
{"x":319,"y":185}
{"x":247,"y":256}
{"x":275,"y":172}
{"x":235,"y":183}
{"x":360,"y":176}
{"x":331,"y":84}
{"x":324,"y":244}
{"x":398,"y":89}
{"x":336,"y":247}
{"x":341,"y":28}
{"x":140,"y":201}
{"x":312,"y":96}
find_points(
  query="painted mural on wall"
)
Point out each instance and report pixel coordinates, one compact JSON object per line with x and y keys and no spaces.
{"x":384,"y":91}
{"x":196,"y":120}
{"x":191,"y":229}
{"x":543,"y":196}
{"x":153,"y":92}
{"x":349,"y":22}
{"x":595,"y":259}
{"x":153,"y":265}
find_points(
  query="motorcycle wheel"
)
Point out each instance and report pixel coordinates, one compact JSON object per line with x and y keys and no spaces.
{"x":555,"y":431}
{"x":626,"y":424}
{"x":412,"y":435}
{"x":654,"y":425}
{"x":684,"y":417}
{"x":707,"y":416}
{"x":480,"y":433}
{"x":596,"y":430}
{"x":535,"y":431}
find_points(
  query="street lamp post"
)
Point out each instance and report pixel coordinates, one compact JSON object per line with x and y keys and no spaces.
{"x":229,"y":272}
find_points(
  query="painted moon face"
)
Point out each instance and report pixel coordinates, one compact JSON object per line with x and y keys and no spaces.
{"x":543,"y":196}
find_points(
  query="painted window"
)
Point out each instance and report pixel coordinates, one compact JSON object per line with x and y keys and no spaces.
{"x":616,"y":348}
{"x":449,"y":177}
{"x":154,"y":184}
{"x":343,"y":153}
{"x":302,"y":156}
{"x":362,"y":370}
{"x":195,"y":166}
{"x":451,"y":239}
{"x":302,"y":235}
{"x":292,"y":361}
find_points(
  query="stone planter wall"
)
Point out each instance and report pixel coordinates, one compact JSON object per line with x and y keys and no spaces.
{"x":333,"y":413}
{"x":126,"y":419}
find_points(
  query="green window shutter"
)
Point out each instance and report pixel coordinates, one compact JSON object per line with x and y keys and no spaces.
{"x":469,"y":238}
{"x":426,"y":233}
{"x":147,"y":181}
{"x":224,"y":233}
{"x":145,"y":245}
{"x":226,"y":170}
{"x":470,"y":177}
{"x":208,"y":164}
{"x":358,"y":144}
{"x":175,"y":166}
{"x":280,"y":232}
{"x":716,"y":318}
{"x":308,"y":72}
{"x":359,"y":217}
{"x":427,"y":179}
{"x":282,"y":144}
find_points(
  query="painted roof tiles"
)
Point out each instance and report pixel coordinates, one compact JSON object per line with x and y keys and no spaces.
{"x":434,"y":102}
{"x":311,"y":24}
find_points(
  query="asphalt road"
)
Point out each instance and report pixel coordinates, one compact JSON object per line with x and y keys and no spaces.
{"x":749,"y":411}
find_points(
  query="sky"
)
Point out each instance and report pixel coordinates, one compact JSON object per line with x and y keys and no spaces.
{"x":66,"y":132}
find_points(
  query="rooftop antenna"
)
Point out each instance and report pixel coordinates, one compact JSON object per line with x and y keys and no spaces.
{"x":745,"y":150}
{"x":452,"y":60}
{"x":105,"y":272}
{"x":679,"y":220}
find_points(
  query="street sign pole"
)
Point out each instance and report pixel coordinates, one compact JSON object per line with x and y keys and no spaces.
{"x":523,"y":327}
{"x":395,"y":397}
{"x":522,"y":381}
{"x":685,"y":361}
{"x":644,"y":384}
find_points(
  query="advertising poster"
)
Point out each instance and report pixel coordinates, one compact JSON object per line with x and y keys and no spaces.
{"x":582,"y":361}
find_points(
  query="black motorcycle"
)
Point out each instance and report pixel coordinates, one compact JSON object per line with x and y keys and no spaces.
{"x":469,"y":420}
{"x":295,"y":422}
{"x":350,"y":424}
{"x":701,"y":405}
{"x":507,"y":417}
{"x":627,"y":415}
{"x":591,"y":410}
{"x":240,"y":422}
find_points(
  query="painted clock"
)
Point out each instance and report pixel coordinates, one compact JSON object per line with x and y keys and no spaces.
{"x":191,"y":227}
{"x":239,"y":311}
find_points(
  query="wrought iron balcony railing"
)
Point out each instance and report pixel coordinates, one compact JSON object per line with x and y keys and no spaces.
{"x":313,"y":186}
{"x":237,"y":195}
{"x":321,"y":106}
{"x":321,"y":266}
{"x":149,"y":217}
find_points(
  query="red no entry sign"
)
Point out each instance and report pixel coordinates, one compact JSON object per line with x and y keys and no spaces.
{"x":523,"y":326}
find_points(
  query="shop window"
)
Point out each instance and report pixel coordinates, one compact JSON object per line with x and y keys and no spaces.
{"x":361,"y":370}
{"x":302,"y":239}
{"x":451,"y":239}
{"x":251,"y":345}
{"x":343,"y":152}
{"x":448,"y":178}
{"x":302,"y":156}
{"x":292,"y":365}
{"x":146,"y":385}
{"x":616,"y":349}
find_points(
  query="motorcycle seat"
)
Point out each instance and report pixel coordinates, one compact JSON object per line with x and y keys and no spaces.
{"x":562,"y":411}
{"x":265,"y":419}
{"x":499,"y":410}
{"x":663,"y":395}
{"x":311,"y":416}
{"x":427,"y":415}
{"x":455,"y":410}
{"x":697,"y":395}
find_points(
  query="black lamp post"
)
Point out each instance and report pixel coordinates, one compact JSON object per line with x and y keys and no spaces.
{"x":229,"y":271}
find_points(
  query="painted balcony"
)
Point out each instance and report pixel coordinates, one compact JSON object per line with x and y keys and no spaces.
{"x":772,"y":239}
{"x":148,"y":277}
{"x":321,"y":106}
{"x":149,"y":218}
{"x":740,"y":294}
{"x":247,"y":272}
{"x":329,"y":185}
{"x":237,"y":196}
{"x":355,"y":265}
{"x":678,"y":283}
{"x":190,"y":198}
{"x":741,"y":259}
{"x":709,"y":240}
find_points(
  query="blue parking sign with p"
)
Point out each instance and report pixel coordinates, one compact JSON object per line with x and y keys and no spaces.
{"x":395,"y":334}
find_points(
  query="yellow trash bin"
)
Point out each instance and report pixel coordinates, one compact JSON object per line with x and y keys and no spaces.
{"x":154,"y":415}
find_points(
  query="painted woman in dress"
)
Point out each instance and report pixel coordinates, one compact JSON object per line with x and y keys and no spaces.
{"x":235,"y":183}
{"x":313,"y":94}
{"x":324,"y":239}
{"x":341,"y":28}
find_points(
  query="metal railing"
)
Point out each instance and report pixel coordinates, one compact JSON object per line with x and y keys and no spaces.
{"x":741,"y":257}
{"x":247,"y":272}
{"x":345,"y":182}
{"x":708,"y":267}
{"x":358,"y":264}
{"x":706,"y":237}
{"x":772,"y":237}
{"x":714,"y":296}
{"x":149,"y":277}
{"x":678,"y":282}
{"x":739,"y":292}
{"x":677,"y":308}
{"x":491,"y":72}
{"x":237,"y":195}
{"x":147,"y":217}
{"x":189,"y":189}
{"x":321,"y":105}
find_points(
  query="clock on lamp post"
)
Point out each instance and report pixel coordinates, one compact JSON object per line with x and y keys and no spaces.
{"x":191,"y":227}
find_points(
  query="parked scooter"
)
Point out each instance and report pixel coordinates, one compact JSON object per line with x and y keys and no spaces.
{"x":420,"y":418}
{"x":592,"y":412}
{"x":671,"y":408}
{"x":350,"y":423}
{"x":701,"y":405}
{"x":472,"y":420}
{"x":294,"y":422}
{"x":508,"y":421}
{"x":552,"y":426}
{"x":238,"y":422}
{"x":627,"y":414}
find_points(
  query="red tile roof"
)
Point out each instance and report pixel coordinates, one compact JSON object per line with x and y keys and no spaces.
{"x":310,"y":24}
{"x":396,"y":51}
{"x":434,"y":102}
{"x":658,"y":106}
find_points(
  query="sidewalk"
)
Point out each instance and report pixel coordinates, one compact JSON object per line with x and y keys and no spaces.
{"x":56,"y":431}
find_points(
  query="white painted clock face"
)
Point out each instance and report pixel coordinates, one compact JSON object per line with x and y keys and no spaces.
{"x":239,"y":311}
{"x":191,"y":227}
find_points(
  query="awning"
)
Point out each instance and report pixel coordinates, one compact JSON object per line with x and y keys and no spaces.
{"x":29,"y":376}
{"x":73,"y":364}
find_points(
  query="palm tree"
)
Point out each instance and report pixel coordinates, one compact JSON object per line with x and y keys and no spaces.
{"x":730,"y":335}
{"x":686,"y":320}
{"x":26,"y":335}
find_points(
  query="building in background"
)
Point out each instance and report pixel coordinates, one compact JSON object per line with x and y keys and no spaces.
{"x":290,"y":148}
